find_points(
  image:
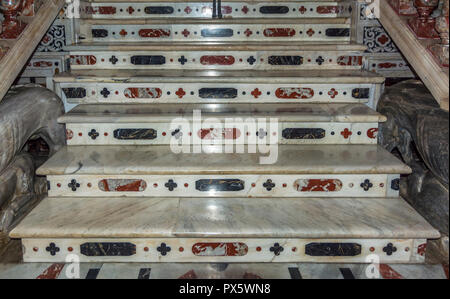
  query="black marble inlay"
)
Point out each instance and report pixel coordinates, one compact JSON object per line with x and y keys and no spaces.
{"x":337,"y":32}
{"x":148,"y":60}
{"x":159,"y":10}
{"x":218,"y":93}
{"x":171,"y":185}
{"x":277,"y":249}
{"x":74,"y":93}
{"x":217,"y":32}
{"x":105,"y":92}
{"x":285,"y":60}
{"x":108,"y":249}
{"x":361,"y":93}
{"x":366,"y":185}
{"x":395,"y":184}
{"x":99,"y":33}
{"x":274,"y":9}
{"x":303,"y":133}
{"x":333,"y":249}
{"x":135,"y":134}
{"x":220,"y":185}
{"x":53,"y":249}
{"x":164,"y":249}
{"x":74,"y":185}
{"x":269,"y":185}
{"x":390,"y":249}
{"x":93,"y":134}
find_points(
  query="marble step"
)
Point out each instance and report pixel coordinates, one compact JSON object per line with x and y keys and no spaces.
{"x":214,"y":171}
{"x":325,"y":230}
{"x":171,"y":86}
{"x":163,"y":124}
{"x":256,"y":30}
{"x":216,"y":56}
{"x":204,"y":9}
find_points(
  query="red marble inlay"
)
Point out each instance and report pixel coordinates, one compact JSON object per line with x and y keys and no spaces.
{"x":69,"y":134}
{"x":372,"y":133}
{"x":130,"y":10}
{"x":154,"y":33}
{"x":142,"y":93}
{"x":180,"y":93}
{"x":220,"y":249}
{"x":346,"y":133}
{"x":83,"y":59}
{"x":245,"y":9}
{"x":333,"y":93}
{"x":421,"y":250}
{"x":302,"y":10}
{"x":248,"y":32}
{"x":219,"y":134}
{"x":386,"y":65}
{"x":256,"y":93}
{"x":112,"y":185}
{"x":52,"y":272}
{"x":327,"y":9}
{"x":107,"y":10}
{"x":388,"y":273}
{"x":42,"y":64}
{"x":123,"y":32}
{"x":226,"y":10}
{"x":279,"y":32}
{"x":318,"y":185}
{"x":350,"y":60}
{"x":217,"y":60}
{"x":310,"y":32}
{"x":383,"y":39}
{"x":294,"y":93}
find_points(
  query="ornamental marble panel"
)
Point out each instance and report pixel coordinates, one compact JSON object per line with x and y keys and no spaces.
{"x":218,"y":60}
{"x":222,"y":250}
{"x":155,"y":93}
{"x":255,"y":9}
{"x":230,"y":186}
{"x":216,"y":32}
{"x":221,"y":133}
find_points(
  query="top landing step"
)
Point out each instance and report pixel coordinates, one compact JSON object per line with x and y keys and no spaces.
{"x":114,"y":9}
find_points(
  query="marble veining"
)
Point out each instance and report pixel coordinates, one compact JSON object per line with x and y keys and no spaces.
{"x":292,"y":159}
{"x":224,"y":218}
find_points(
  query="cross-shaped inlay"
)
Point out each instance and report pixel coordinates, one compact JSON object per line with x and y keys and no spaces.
{"x":390,"y":249}
{"x":346,"y":133}
{"x":185,"y":32}
{"x":302,"y":10}
{"x":130,"y":10}
{"x":320,"y":60}
{"x":123,"y":32}
{"x":93,"y":134}
{"x":171,"y":185}
{"x":277,"y":249}
{"x":52,"y":249}
{"x":310,"y":32}
{"x":251,"y":60}
{"x":269,"y":185}
{"x":248,"y":32}
{"x":366,"y":185}
{"x":188,"y":10}
{"x":180,"y":93}
{"x":74,"y":185}
{"x":177,"y":133}
{"x":164,"y":249}
{"x":261,"y":133}
{"x":182,"y":60}
{"x":113,"y":59}
{"x":105,"y":92}
{"x":256,"y":93}
{"x":245,"y":9}
{"x":333,"y":93}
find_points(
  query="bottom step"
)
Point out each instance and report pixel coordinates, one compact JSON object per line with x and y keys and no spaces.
{"x":236,"y":230}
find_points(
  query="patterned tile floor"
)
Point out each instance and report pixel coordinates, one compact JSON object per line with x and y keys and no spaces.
{"x":219,"y":271}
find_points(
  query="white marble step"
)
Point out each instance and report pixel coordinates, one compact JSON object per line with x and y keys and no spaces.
{"x":172,"y":86}
{"x":162,"y":124}
{"x":224,"y":230}
{"x":217,"y":56}
{"x":257,"y":30}
{"x":204,"y":9}
{"x":287,"y":171}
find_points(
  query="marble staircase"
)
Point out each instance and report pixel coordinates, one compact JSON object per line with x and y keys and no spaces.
{"x":240,"y":133}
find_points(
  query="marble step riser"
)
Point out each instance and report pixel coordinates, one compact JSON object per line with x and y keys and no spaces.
{"x":169,"y":9}
{"x":217,"y":60}
{"x":223,"y":250}
{"x":230,"y":186}
{"x":338,"y":33}
{"x":193,"y":92}
{"x":221,"y":132}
